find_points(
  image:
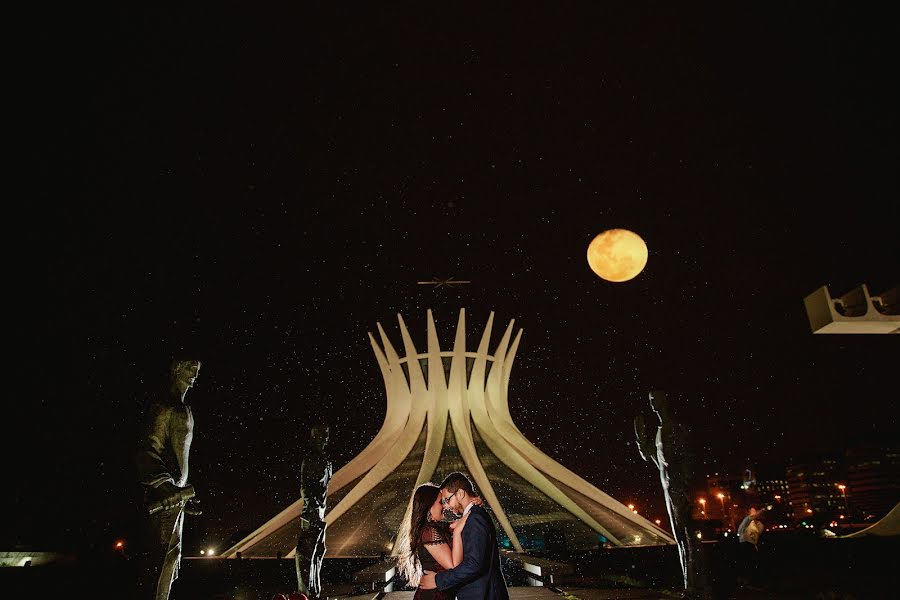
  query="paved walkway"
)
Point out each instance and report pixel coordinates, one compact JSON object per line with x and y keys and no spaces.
{"x":644,"y":594}
{"x":543,"y":593}
{"x":515,"y":593}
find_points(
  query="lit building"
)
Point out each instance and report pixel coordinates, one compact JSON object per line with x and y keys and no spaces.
{"x":813,"y":489}
{"x":773,"y":490}
{"x":448,"y":410}
{"x":873,"y":481}
{"x":730,"y":497}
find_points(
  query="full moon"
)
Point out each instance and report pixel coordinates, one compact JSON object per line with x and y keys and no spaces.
{"x":617,"y":255}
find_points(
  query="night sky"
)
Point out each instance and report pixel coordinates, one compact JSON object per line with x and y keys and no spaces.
{"x":261,"y":189}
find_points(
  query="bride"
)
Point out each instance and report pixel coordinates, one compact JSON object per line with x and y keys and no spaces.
{"x":428,"y":542}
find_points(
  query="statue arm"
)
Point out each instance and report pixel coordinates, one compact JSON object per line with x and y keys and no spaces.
{"x":646,"y":448}
{"x":152,"y":469}
{"x":326,"y":477}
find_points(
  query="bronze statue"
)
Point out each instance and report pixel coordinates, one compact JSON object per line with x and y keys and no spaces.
{"x":670,"y":450}
{"x":315,"y":473}
{"x":162,"y":470}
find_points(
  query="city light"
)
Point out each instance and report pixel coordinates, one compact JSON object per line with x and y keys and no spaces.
{"x":843,"y":489}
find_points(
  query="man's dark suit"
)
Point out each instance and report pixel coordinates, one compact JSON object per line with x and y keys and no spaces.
{"x":478,"y":577}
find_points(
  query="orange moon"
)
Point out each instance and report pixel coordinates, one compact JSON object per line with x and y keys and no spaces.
{"x":617,"y":255}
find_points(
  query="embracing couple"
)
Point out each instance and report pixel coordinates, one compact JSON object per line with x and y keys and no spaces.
{"x":449,"y":546}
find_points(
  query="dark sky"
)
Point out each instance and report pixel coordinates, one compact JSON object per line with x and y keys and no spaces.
{"x":263,"y":188}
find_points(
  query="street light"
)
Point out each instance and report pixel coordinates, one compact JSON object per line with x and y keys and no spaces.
{"x":721,"y":498}
{"x":703,"y":504}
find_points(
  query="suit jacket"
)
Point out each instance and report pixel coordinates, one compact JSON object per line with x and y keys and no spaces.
{"x":478,"y":576}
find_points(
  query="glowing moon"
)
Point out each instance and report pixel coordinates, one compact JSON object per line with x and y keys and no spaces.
{"x":617,"y":255}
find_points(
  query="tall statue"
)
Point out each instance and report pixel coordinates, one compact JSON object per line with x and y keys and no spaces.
{"x":669,"y":448}
{"x":162,"y":472}
{"x":315,"y":473}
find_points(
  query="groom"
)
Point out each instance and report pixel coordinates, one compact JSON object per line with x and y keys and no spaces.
{"x":478,"y":576}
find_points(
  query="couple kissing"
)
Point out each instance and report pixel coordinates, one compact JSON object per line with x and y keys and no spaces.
{"x":448,"y":547}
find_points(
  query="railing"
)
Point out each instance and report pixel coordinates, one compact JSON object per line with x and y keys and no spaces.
{"x":542,"y":571}
{"x":378,"y":578}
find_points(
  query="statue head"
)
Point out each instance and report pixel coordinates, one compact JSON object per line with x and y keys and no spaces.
{"x":318,"y":435}
{"x":183,"y":373}
{"x":659,"y":404}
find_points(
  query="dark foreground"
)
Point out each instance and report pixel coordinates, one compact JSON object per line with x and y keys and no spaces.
{"x":793,"y":566}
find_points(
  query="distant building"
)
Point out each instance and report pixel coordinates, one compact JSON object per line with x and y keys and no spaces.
{"x":861,"y":484}
{"x":727,"y":499}
{"x":776,"y":492}
{"x":773,"y":491}
{"x":873,"y":480}
{"x":814,"y":488}
{"x":729,"y":496}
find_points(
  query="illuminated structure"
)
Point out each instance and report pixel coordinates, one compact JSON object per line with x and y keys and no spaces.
{"x":857,"y":311}
{"x":448,"y":411}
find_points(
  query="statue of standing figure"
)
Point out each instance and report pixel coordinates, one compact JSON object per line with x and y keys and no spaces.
{"x":315,"y":473}
{"x":669,"y":448}
{"x":162,"y":471}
